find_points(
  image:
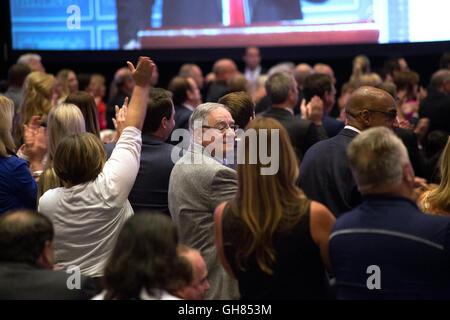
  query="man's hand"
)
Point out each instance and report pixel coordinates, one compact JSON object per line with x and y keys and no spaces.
{"x":142,"y":74}
{"x":314,"y":110}
{"x":119,"y":121}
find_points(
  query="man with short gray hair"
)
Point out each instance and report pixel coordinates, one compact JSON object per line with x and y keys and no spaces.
{"x":386,"y":248}
{"x":32,"y":60}
{"x":199,"y":182}
{"x":282,"y":90}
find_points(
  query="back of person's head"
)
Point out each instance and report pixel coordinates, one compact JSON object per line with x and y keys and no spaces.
{"x":406,"y":80}
{"x":444,"y":63}
{"x":301,"y":72}
{"x":196,"y":266}
{"x":179,"y":87}
{"x":266,"y":203}
{"x":286,"y":66}
{"x":389,"y":87}
{"x":439,"y":79}
{"x":23,"y":236}
{"x":37,"y":95}
{"x":238,"y":82}
{"x":17,"y":74}
{"x":123,"y":79}
{"x":191,"y":70}
{"x":79,"y":158}
{"x":241,"y":106}
{"x":361,"y":65}
{"x":6,"y":122}
{"x":224,"y":69}
{"x":144,"y":257}
{"x":86,"y":103}
{"x":278,"y":86}
{"x":159,"y":106}
{"x":83,"y":81}
{"x":370,"y":79}
{"x":377,"y":157}
{"x":64,"y":120}
{"x":317,"y":84}
{"x":435,"y":142}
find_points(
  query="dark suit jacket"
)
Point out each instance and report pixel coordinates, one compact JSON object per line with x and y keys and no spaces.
{"x":20,"y":281}
{"x":152,"y":182}
{"x":410,"y":141}
{"x":325,"y":174}
{"x":331,"y":125}
{"x":303,"y":133}
{"x":182,"y":115}
{"x":216,"y":91}
{"x":436,"y":107}
{"x":110,"y":108}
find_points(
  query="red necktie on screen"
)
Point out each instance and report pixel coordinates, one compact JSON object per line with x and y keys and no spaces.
{"x":237,"y":15}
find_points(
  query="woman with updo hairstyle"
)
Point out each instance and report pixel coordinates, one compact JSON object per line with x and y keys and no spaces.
{"x":17,"y":186}
{"x":86,"y":103}
{"x":37,"y":101}
{"x":64,"y":120}
{"x":68,"y":81}
{"x":361,"y":66}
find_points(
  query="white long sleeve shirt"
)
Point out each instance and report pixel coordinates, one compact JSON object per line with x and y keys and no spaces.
{"x":88,"y":217}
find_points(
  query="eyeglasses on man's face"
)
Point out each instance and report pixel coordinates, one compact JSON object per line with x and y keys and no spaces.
{"x":222,"y":126}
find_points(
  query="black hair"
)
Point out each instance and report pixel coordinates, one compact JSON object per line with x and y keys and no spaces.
{"x":22,"y":236}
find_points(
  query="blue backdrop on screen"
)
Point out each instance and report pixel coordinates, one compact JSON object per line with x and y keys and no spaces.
{"x":50,"y":25}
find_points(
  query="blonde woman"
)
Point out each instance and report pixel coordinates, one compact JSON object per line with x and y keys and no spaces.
{"x":437,"y":201}
{"x":64,"y":120}
{"x":68,"y":81}
{"x":271,"y":237}
{"x":86,"y":103}
{"x":37,"y":101}
{"x":361,"y":66}
{"x":93,"y":205}
{"x":17,"y":186}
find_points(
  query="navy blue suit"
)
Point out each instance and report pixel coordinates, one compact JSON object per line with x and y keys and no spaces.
{"x":182,"y":115}
{"x":411,"y":249}
{"x":325,"y":174}
{"x":152,"y":182}
{"x":331,"y":125}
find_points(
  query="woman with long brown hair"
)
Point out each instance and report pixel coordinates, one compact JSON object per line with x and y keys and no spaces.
{"x":437,"y":201}
{"x":270,"y":236}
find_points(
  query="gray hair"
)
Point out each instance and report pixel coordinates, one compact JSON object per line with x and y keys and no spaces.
{"x":377,"y":157}
{"x":278,"y":86}
{"x":202,"y":112}
{"x":286,"y":66}
{"x":27,"y":58}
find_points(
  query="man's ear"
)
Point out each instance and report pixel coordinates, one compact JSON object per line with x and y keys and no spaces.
{"x":164,"y":122}
{"x":408,"y":174}
{"x":189,"y":94}
{"x":46,"y":260}
{"x":365,"y":116}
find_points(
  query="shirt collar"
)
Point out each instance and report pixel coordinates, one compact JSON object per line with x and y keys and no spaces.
{"x":188,"y":106}
{"x":352,"y":128}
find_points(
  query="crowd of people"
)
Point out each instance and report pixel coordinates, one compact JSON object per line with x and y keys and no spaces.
{"x":253,"y":185}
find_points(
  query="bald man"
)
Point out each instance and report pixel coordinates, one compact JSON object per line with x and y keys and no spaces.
{"x":325,"y":175}
{"x":224,"y":70}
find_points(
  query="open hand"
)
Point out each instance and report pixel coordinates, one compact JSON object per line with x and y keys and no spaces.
{"x":142,"y":74}
{"x":120,"y":119}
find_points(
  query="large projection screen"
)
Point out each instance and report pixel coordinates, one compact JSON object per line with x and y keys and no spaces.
{"x":166,"y":24}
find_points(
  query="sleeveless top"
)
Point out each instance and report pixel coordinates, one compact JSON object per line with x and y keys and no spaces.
{"x":298,"y":271}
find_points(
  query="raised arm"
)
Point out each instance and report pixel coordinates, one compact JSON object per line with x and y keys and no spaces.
{"x":137,"y":108}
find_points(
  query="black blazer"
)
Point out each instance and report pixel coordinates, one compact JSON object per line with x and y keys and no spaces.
{"x":303,"y":133}
{"x":182,"y":115}
{"x":150,"y":190}
{"x":409,"y":139}
{"x":20,"y":281}
{"x":325,"y":174}
{"x":436,"y":107}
